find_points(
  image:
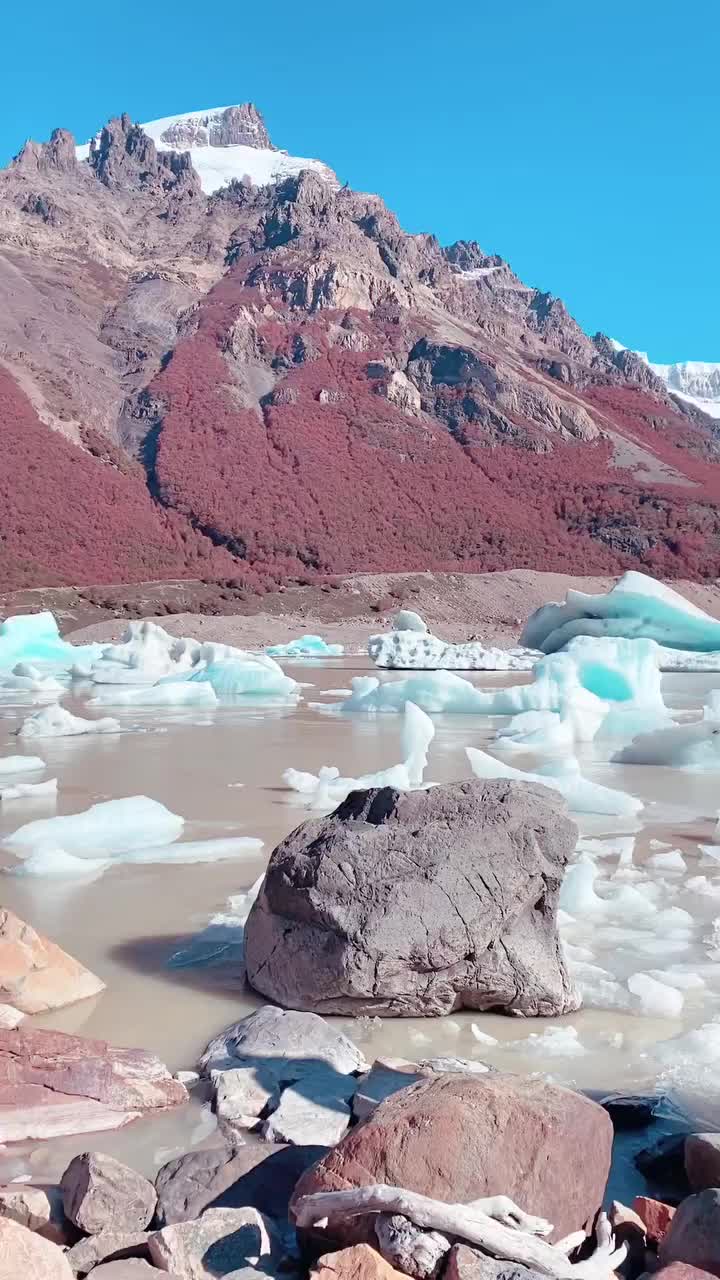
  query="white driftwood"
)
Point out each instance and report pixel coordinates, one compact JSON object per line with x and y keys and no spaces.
{"x":495,"y":1224}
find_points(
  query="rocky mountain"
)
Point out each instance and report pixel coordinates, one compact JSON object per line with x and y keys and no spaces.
{"x":215,"y":361}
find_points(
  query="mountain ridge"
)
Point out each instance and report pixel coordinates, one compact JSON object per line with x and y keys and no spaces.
{"x":289,"y":383}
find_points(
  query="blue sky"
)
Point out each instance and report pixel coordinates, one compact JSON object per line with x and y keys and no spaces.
{"x":578,"y":140}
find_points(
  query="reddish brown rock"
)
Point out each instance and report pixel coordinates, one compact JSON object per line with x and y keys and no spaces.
{"x":24,"y":1255}
{"x":100,"y":1193}
{"x":36,"y":974}
{"x":440,"y":1138}
{"x":53,"y":1084}
{"x":359,"y":1262}
{"x":694,"y":1235}
{"x":656,"y":1216}
{"x":702,"y":1160}
{"x":681,"y":1271}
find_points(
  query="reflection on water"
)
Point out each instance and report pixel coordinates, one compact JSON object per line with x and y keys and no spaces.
{"x":128,"y":923}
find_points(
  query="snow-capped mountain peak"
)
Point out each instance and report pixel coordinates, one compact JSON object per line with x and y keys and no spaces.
{"x":697,"y":381}
{"x":226,"y":144}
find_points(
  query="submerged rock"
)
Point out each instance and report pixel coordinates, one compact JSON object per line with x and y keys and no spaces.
{"x":440,"y":1138}
{"x":419,"y":903}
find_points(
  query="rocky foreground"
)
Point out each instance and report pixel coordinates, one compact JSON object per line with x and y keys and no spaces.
{"x":327,"y":1165}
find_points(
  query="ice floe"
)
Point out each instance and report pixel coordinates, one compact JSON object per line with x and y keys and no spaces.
{"x":582,"y":795}
{"x":636,"y":607}
{"x":11,"y":766}
{"x":28,"y":790}
{"x":172,"y":693}
{"x":687,"y":746}
{"x":57,"y":722}
{"x":109,"y":828}
{"x":305,"y":646}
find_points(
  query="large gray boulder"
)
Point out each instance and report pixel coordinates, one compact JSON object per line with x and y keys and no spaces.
{"x":410,"y":904}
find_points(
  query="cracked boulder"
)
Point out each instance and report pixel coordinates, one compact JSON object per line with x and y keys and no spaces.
{"x":415,"y":904}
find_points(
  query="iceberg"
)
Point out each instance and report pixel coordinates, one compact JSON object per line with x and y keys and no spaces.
{"x":34,"y":637}
{"x":417,"y":734}
{"x":250,"y":674}
{"x":305,"y":646}
{"x":25,"y":678}
{"x":581,"y":795}
{"x":408,"y":620}
{"x":433,"y":691}
{"x":108,"y":828}
{"x":636,"y":607}
{"x":412,"y":650}
{"x":144,"y":654}
{"x":57,"y":722}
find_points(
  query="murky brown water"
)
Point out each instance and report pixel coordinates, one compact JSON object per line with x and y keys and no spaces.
{"x":127,"y":924}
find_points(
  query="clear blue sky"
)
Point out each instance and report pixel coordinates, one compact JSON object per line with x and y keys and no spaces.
{"x":579,"y":140}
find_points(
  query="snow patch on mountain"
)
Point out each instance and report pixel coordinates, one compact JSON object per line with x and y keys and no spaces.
{"x":697,"y":381}
{"x":216,"y":158}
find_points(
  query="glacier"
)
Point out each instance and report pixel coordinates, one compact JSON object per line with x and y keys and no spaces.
{"x":636,"y":607}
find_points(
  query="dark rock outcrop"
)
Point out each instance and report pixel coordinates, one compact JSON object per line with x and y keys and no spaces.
{"x":415,"y":904}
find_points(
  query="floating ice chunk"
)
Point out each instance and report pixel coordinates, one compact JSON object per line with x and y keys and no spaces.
{"x":306,"y":646}
{"x":577,"y":895}
{"x":25,"y":678}
{"x":49,"y":860}
{"x":683,"y":745}
{"x":702,"y":886}
{"x":417,"y":734}
{"x":187,"y":851}
{"x":57,"y":722}
{"x":481,"y":1036}
{"x":34,"y":637}
{"x":712,"y":941}
{"x":582,"y":796}
{"x":412,"y":650}
{"x":598,"y":988}
{"x":689,"y":1074}
{"x":670,"y":861}
{"x":433,"y":691}
{"x":221,"y":942}
{"x":684,"y":980}
{"x":28,"y":790}
{"x":249,"y":675}
{"x":171,"y":694}
{"x":327,"y":788}
{"x":111,"y":827}
{"x":145,"y":652}
{"x":621,"y":847}
{"x":11,"y":766}
{"x":656,"y":998}
{"x":635,"y":607}
{"x":555,"y":1042}
{"x":536,"y":731}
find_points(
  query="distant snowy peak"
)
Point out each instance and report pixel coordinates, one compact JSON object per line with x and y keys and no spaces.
{"x":226,"y":144}
{"x":696,"y":381}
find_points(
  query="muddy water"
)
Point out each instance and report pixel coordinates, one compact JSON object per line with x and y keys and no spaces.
{"x":128,"y":924}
